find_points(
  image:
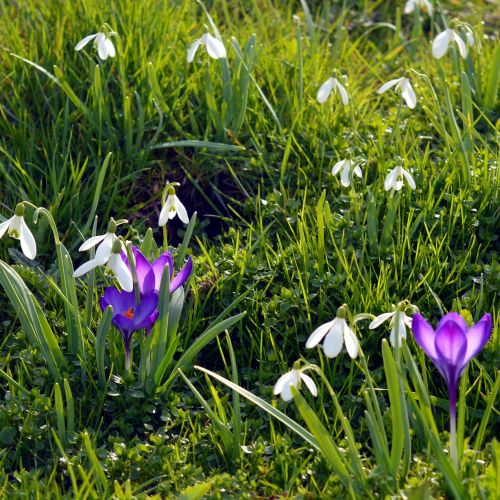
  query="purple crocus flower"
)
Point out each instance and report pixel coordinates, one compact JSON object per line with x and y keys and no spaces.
{"x":130,"y":315}
{"x":149,"y":274}
{"x":137,"y":310}
{"x":450,"y":348}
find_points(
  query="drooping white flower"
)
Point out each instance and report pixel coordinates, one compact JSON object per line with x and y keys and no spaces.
{"x":399,"y":322}
{"x":293,"y":377}
{"x":442,"y":41}
{"x":117,"y":268}
{"x":419,"y":4}
{"x":173,"y":207}
{"x":395,"y":179}
{"x":335,"y":334}
{"x":103,"y":252}
{"x":215,"y":47}
{"x":18,"y":229}
{"x":102,"y":42}
{"x":403,"y":84}
{"x":345,"y":167}
{"x":327,"y":87}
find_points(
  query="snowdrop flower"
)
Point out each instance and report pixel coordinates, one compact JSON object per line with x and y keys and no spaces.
{"x":345,"y":176}
{"x":395,"y":177}
{"x":336,"y":333}
{"x":404,"y":85}
{"x":419,"y":4}
{"x":215,"y":47}
{"x":102,"y":42}
{"x":103,"y":252}
{"x":117,"y":267}
{"x":327,"y":87}
{"x":442,"y":41}
{"x":293,"y":377}
{"x":399,"y":322}
{"x":172,"y":207}
{"x":17,"y":228}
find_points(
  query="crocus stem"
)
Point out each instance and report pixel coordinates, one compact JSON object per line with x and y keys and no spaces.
{"x":127,"y":354}
{"x":453,"y":426}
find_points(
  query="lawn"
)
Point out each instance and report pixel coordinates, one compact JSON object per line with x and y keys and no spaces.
{"x":321,"y":180}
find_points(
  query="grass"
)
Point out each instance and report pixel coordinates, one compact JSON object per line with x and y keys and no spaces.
{"x":253,"y":152}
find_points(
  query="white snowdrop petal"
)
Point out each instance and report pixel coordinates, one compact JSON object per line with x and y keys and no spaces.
{"x":336,"y":168}
{"x":181,"y":212}
{"x":390,"y":179}
{"x":85,"y":268}
{"x":409,"y":178}
{"x":408,"y":94}
{"x":310,"y":384}
{"x":351,"y":342}
{"x":281,"y":382}
{"x":345,"y":176}
{"x":28,"y":243}
{"x":318,"y":334}
{"x":15,"y":225}
{"x":440,"y":44}
{"x":4,"y":226}
{"x":409,"y":7}
{"x":286,"y":392}
{"x":388,"y":85}
{"x":85,"y":41}
{"x":91,"y":242}
{"x":121,"y":271}
{"x":332,"y":345}
{"x":343,"y":93}
{"x":110,"y":48}
{"x":324,"y":90}
{"x":380,"y":319}
{"x":407,"y":320}
{"x":192,"y":51}
{"x":215,"y":47}
{"x":357,"y":171}
{"x":104,"y":249}
{"x":166,"y":210}
{"x":102,"y":50}
{"x":462,"y":48}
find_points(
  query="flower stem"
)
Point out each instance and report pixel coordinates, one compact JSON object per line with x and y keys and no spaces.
{"x":453,"y":427}
{"x":128,"y":363}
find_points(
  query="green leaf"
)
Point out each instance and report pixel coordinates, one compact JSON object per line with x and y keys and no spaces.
{"x":284,"y":419}
{"x":195,"y":348}
{"x":323,"y":437}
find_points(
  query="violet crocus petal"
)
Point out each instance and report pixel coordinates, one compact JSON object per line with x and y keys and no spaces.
{"x":159,"y":265}
{"x":424,"y":336}
{"x":144,"y":271}
{"x":182,"y":276}
{"x":451,"y":346}
{"x":455,"y":318}
{"x":144,"y":310}
{"x":477,"y":336}
{"x":119,"y":301}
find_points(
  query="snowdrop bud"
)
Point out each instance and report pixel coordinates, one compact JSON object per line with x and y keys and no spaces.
{"x":112,"y":226}
{"x":117,"y":246}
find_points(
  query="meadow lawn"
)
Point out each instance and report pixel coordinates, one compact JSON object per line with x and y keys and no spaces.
{"x":315,"y":195}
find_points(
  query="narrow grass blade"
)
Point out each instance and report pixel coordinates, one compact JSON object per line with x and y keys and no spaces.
{"x":100,"y":348}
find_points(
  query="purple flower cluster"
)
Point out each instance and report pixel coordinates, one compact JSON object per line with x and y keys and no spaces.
{"x":130,"y":314}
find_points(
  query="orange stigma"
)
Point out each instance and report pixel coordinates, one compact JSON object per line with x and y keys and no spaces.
{"x":129,"y":313}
